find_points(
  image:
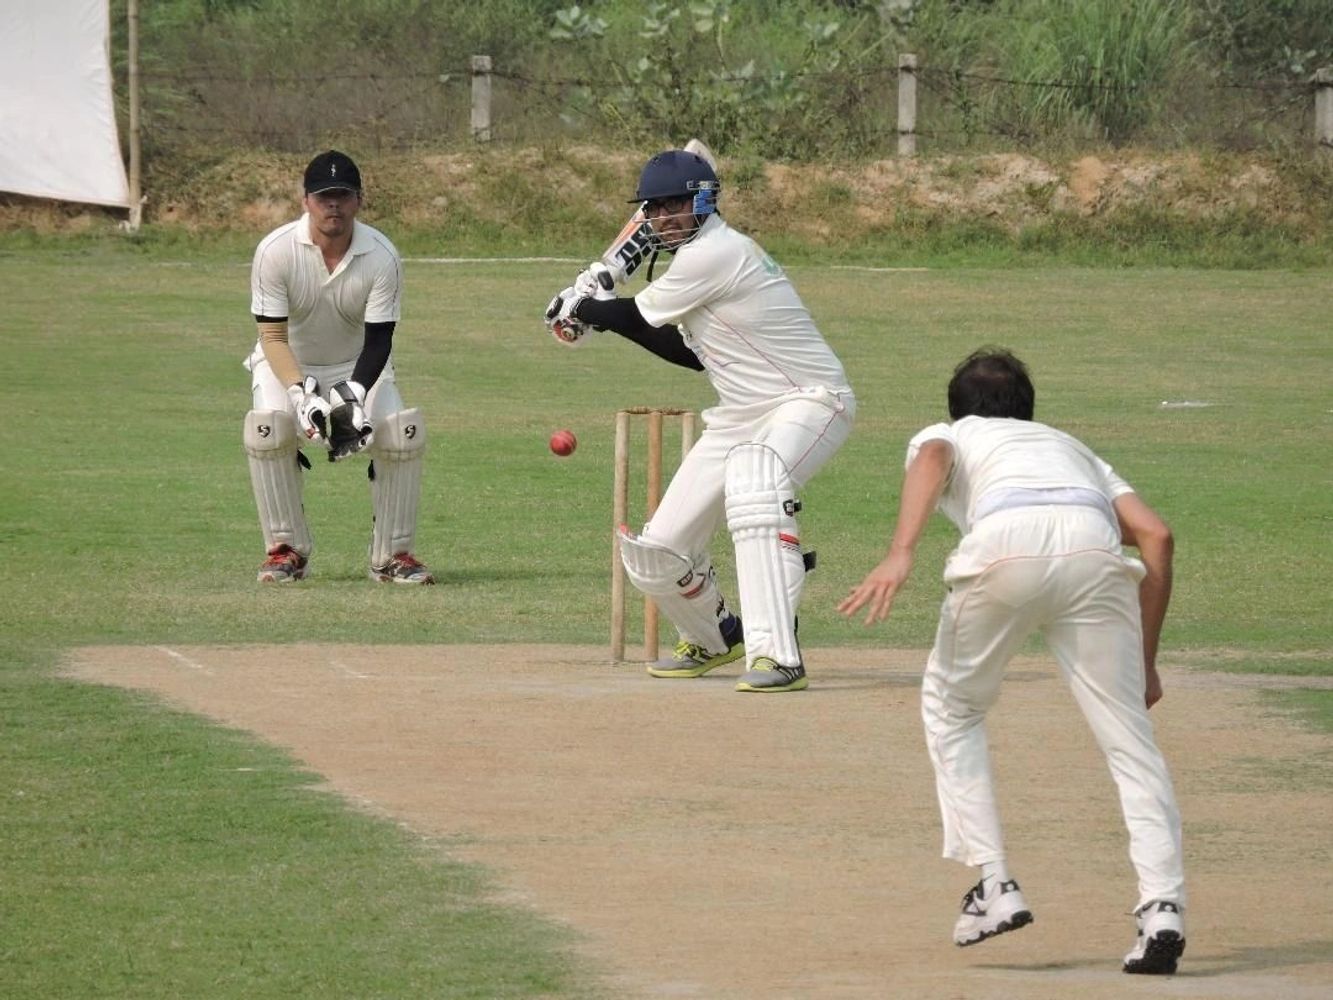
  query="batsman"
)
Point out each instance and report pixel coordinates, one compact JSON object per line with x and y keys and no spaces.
{"x":723,"y":307}
{"x":326,"y":294}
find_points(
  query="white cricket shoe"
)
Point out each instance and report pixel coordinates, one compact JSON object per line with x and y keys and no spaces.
{"x":1161,"y":939}
{"x":987,"y":912}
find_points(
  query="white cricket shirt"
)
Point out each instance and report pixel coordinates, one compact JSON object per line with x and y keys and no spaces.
{"x":740,"y":315}
{"x":994,"y":456}
{"x":326,"y":312}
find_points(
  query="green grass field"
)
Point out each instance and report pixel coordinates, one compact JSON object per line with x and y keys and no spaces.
{"x":139,"y":862}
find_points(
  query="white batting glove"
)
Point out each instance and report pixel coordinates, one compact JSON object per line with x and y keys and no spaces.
{"x":596,"y":281}
{"x":312,"y":410}
{"x":349,"y":428}
{"x":561,"y":321}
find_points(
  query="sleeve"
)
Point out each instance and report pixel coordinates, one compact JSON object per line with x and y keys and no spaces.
{"x":695,"y":278}
{"x":384,"y":305}
{"x":1112,"y":483}
{"x":622,"y":316}
{"x":374,"y":353}
{"x":268,"y":281}
{"x":935,"y":432}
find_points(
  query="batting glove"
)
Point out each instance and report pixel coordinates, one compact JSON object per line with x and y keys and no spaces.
{"x":349,"y":428}
{"x":596,"y":281}
{"x":565,"y":327}
{"x":312,"y":410}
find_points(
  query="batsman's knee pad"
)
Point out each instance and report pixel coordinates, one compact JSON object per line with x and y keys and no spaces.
{"x":684,"y":590}
{"x":761,"y":510}
{"x":271,"y":443}
{"x":396,"y":455}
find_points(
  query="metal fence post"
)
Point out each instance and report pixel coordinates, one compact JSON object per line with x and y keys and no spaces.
{"x":1323,"y":110}
{"x":481,"y":98}
{"x":906,"y":104}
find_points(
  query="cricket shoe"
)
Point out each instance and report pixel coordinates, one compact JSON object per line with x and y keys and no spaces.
{"x":283,"y":564}
{"x":402,"y":568}
{"x":767,"y":675}
{"x":1161,"y":939}
{"x":692,"y":660}
{"x":986,"y":914}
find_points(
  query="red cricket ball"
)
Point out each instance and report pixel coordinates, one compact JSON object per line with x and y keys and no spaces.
{"x":564,"y":442}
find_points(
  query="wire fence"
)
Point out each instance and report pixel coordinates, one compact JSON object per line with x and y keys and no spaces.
{"x":410,"y":107}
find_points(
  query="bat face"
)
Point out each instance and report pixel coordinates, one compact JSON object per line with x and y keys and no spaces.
{"x":625,"y":255}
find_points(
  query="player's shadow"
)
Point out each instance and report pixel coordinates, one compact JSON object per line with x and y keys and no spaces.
{"x":834,"y":680}
{"x":1257,"y":959}
{"x":1201,"y":964}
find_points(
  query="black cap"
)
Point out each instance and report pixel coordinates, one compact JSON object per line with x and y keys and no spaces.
{"x":332,"y":170}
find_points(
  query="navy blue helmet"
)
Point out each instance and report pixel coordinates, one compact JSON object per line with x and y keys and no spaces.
{"x":676,"y":174}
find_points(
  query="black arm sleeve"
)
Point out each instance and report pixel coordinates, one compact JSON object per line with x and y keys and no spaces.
{"x":374,"y":353}
{"x":622,"y":316}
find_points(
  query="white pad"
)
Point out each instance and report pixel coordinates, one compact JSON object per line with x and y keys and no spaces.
{"x":271,"y":443}
{"x":761,"y":515}
{"x":687,"y":594}
{"x":397,"y":450}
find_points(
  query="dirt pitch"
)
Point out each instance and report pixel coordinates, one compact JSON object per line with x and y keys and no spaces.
{"x":709,"y":844}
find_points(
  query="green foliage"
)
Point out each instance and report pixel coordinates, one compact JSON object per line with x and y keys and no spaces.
{"x":1274,"y":40}
{"x":781,"y":82}
{"x":1102,"y":68}
{"x":801,"y":79}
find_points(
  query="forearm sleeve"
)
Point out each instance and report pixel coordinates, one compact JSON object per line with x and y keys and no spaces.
{"x":374,"y":353}
{"x":277,"y":352}
{"x":622,"y":316}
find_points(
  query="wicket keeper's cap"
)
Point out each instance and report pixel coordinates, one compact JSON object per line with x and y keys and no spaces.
{"x":332,"y":170}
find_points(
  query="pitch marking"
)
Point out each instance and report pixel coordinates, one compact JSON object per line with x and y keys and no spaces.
{"x":184,"y":660}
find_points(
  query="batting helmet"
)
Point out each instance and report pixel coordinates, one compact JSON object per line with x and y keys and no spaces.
{"x":676,"y":174}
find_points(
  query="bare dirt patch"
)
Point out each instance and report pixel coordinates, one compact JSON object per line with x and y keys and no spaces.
{"x":710,"y":844}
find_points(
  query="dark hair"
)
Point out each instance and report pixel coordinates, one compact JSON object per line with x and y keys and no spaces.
{"x":991,"y":382}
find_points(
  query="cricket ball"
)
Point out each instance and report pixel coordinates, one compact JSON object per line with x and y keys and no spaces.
{"x":564,"y":442}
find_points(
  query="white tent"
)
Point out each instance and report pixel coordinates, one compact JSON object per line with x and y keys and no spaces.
{"x":57,"y":118}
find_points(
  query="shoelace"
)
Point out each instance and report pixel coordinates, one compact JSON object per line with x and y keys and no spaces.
{"x":689,"y":651}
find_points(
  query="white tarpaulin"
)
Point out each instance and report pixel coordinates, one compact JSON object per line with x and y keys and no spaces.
{"x":57,"y":120}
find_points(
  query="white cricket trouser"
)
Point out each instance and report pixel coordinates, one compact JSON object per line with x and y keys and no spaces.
{"x":1058,"y":570}
{"x":805,"y":428}
{"x":267,"y":393}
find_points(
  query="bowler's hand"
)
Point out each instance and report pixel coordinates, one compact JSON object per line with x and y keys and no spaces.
{"x":877,"y":591}
{"x":1152,"y":688}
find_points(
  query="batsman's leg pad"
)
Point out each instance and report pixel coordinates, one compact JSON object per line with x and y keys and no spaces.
{"x":275,"y":474}
{"x":685,"y":592}
{"x":396,"y":454}
{"x":761,"y":509}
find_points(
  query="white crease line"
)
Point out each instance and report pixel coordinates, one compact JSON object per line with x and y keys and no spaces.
{"x":349,"y":671}
{"x":493,"y":260}
{"x":875,"y":270}
{"x":182,"y":659}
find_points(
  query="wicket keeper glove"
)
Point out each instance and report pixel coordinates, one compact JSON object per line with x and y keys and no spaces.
{"x":349,"y":429}
{"x":312,"y":410}
{"x":565,"y":327}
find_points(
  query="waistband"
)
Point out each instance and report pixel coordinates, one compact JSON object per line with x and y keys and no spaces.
{"x":1065,"y":496}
